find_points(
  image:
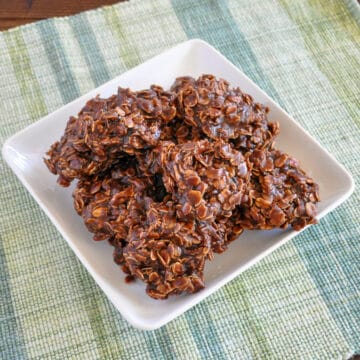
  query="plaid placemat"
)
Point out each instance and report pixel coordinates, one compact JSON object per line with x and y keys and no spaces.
{"x":303,"y":301}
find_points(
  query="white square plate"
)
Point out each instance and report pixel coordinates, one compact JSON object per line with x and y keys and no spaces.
{"x":24,"y":152}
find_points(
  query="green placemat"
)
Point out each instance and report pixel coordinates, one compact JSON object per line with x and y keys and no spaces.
{"x":303,"y":301}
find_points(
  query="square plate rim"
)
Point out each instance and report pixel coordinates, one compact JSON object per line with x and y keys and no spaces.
{"x":138,"y":322}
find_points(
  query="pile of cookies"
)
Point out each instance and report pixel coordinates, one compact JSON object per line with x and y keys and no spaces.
{"x":171,"y":177}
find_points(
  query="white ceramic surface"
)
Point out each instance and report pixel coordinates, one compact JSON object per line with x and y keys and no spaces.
{"x":24,"y":152}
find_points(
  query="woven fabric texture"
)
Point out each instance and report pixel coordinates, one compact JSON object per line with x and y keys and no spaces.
{"x":303,"y":301}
